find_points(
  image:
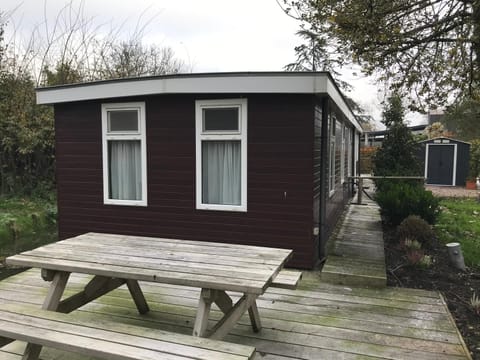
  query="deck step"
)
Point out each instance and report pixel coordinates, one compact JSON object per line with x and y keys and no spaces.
{"x":356,"y":256}
{"x":347,"y":271}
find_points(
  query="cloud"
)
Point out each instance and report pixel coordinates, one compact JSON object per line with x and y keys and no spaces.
{"x":210,"y":35}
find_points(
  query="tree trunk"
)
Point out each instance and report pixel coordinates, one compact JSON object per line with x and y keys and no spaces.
{"x":476,"y":43}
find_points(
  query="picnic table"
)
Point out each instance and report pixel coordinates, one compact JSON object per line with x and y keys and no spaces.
{"x":114,"y":260}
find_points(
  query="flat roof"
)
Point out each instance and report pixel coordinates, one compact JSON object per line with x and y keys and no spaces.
{"x":202,"y":83}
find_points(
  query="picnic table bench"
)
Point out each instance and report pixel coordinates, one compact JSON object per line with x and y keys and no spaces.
{"x":287,"y":279}
{"x":110,"y":340}
{"x":115,"y":260}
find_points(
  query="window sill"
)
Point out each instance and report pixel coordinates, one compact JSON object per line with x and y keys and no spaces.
{"x":241,"y":208}
{"x":125,"y":202}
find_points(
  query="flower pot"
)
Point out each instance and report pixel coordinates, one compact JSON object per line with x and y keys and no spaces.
{"x":471,"y":185}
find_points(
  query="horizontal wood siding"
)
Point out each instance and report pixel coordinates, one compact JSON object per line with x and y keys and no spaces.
{"x":280,"y":178}
{"x":317,"y":172}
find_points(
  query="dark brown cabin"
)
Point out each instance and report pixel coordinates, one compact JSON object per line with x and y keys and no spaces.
{"x":251,"y":158}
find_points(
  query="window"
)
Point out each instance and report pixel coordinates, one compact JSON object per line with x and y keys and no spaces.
{"x":221,"y":135}
{"x":331,"y":178}
{"x":124,"y":154}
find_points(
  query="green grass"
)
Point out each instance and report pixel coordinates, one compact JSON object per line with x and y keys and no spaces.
{"x":459,"y":221}
{"x":25,"y":224}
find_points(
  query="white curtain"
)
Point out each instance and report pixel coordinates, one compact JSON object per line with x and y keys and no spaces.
{"x":125,"y":170}
{"x":221,"y":172}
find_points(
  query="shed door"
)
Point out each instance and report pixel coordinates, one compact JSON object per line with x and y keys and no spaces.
{"x":440,"y":168}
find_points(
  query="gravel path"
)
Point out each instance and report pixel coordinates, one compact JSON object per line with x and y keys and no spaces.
{"x":452,"y":191}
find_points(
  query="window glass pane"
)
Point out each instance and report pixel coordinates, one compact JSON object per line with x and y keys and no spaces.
{"x":123,"y":120}
{"x":220,"y":119}
{"x":125,"y":170}
{"x":221,"y":172}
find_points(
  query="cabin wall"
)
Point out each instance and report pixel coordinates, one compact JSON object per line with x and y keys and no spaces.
{"x":336,"y":199}
{"x":328,"y":205}
{"x":280,"y":178}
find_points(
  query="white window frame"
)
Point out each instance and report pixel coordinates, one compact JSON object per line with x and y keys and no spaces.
{"x":126,"y":135}
{"x":332,"y":150}
{"x":240,"y":134}
{"x":349,"y":151}
{"x":356,"y":152}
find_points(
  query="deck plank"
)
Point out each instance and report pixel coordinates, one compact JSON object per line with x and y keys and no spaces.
{"x":297,"y":324}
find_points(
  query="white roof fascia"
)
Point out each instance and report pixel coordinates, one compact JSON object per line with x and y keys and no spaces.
{"x":338,"y":99}
{"x":216,"y":83}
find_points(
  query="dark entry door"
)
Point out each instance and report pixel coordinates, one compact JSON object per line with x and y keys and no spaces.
{"x":440,"y":164}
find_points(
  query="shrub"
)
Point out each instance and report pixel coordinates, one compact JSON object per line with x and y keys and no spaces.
{"x":474,"y":163}
{"x":399,"y":200}
{"x":414,"y":257}
{"x":398,"y":155}
{"x":414,"y":227}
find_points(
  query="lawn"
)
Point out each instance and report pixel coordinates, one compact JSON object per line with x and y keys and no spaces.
{"x":26,"y":224}
{"x":459,"y":221}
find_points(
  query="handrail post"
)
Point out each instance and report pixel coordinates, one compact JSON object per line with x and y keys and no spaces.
{"x":360,"y":190}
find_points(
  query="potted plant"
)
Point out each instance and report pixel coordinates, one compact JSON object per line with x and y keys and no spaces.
{"x":474,"y":169}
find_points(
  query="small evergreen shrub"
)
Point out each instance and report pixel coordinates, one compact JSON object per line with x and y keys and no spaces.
{"x":414,"y":227}
{"x":399,"y":200}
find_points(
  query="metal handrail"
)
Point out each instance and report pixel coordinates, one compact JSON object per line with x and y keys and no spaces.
{"x":361,"y":178}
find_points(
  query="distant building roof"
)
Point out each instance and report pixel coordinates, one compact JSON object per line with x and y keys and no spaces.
{"x":415,"y":128}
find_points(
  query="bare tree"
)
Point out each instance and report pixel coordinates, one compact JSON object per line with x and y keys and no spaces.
{"x":74,"y":47}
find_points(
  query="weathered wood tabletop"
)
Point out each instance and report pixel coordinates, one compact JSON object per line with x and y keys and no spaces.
{"x":120,"y":259}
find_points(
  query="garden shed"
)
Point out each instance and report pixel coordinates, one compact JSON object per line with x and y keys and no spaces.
{"x":244,"y":158}
{"x":445,"y":160}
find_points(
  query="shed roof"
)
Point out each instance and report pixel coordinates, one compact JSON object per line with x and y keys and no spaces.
{"x":444,"y":138}
{"x":202,"y":83}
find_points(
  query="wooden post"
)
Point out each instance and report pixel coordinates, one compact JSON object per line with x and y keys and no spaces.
{"x":138,"y":297}
{"x":360,"y":190}
{"x":254,"y":317}
{"x":203,"y":312}
{"x":55,"y":292}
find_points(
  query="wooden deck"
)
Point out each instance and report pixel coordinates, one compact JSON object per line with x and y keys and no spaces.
{"x":316,"y":321}
{"x":356,"y":255}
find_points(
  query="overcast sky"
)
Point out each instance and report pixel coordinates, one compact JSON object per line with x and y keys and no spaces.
{"x":209,"y":35}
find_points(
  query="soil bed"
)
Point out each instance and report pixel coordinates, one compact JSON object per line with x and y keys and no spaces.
{"x":456,"y":286}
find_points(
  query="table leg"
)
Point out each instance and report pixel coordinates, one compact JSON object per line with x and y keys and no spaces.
{"x":98,"y":286}
{"x":254,"y":317}
{"x":138,"y":296}
{"x":224,"y":302}
{"x":232,"y":313}
{"x":223,"y":327}
{"x":54,"y":295}
{"x":203,"y":311}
